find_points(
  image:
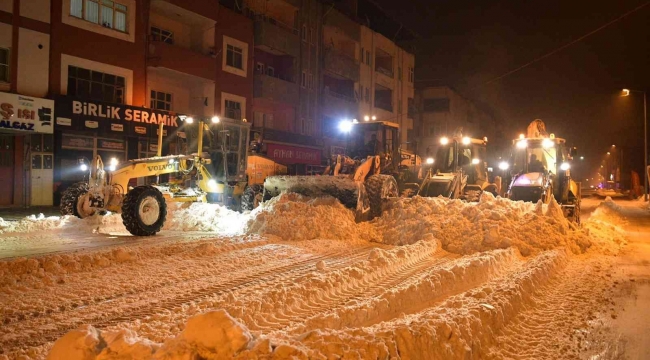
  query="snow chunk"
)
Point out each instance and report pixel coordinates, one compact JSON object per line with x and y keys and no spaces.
{"x":217,"y":332}
{"x":81,"y":344}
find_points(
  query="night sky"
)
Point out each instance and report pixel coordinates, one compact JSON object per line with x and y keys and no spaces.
{"x":465,"y":44}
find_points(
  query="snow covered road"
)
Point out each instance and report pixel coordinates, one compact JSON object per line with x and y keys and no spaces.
{"x":299,"y":279}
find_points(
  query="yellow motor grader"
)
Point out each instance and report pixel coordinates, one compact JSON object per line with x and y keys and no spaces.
{"x":216,"y":174}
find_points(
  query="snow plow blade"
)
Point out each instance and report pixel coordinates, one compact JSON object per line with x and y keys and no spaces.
{"x":350,"y":193}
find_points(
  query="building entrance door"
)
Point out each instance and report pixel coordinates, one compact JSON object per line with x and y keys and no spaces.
{"x":7,"y":157}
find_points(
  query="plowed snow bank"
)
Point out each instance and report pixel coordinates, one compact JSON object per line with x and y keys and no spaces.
{"x":466,"y":228}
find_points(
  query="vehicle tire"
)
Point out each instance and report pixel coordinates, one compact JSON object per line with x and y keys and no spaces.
{"x":70,"y":197}
{"x":380,"y":188}
{"x":144,"y":211}
{"x":252,"y":197}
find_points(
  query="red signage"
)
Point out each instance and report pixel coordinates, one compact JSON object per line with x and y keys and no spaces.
{"x":293,"y":154}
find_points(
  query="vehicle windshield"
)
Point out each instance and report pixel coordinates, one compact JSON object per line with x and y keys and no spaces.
{"x":536,"y":158}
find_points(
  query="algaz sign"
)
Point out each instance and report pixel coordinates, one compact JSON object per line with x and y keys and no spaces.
{"x":26,"y":113}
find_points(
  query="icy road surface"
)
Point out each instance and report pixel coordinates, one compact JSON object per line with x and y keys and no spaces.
{"x":431,"y":279}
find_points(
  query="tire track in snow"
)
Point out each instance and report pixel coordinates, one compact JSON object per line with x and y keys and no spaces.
{"x":271,"y":272}
{"x":561,"y":316}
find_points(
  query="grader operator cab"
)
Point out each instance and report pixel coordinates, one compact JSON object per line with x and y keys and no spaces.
{"x":541,"y":170}
{"x":362,"y":179}
{"x":458,"y":170}
{"x":215,"y":174}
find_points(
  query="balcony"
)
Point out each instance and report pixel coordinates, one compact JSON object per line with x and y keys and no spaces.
{"x":385,"y":71}
{"x":384,"y":105}
{"x":339,"y":105}
{"x":276,"y":37}
{"x":181,"y":59}
{"x":275,"y":89}
{"x":341,"y":64}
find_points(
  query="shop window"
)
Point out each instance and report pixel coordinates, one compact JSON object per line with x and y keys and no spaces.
{"x":95,"y":85}
{"x":106,"y":13}
{"x":233,"y":109}
{"x":234,"y":57}
{"x":6,"y":151}
{"x":161,"y":35}
{"x":161,"y":100}
{"x":4,"y":65}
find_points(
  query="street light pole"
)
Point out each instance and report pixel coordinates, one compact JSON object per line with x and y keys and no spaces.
{"x":626,"y":92}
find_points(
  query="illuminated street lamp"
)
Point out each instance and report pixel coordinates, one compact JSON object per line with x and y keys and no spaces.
{"x":626,"y":92}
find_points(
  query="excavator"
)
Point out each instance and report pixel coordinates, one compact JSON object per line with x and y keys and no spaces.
{"x":458,"y":170}
{"x":541,"y":170}
{"x":366,"y":176}
{"x":215,"y":174}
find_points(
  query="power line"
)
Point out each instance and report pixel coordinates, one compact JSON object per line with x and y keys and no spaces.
{"x":566,"y":45}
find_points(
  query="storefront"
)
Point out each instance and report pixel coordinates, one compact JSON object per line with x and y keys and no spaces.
{"x":84,"y":129}
{"x":26,"y":150}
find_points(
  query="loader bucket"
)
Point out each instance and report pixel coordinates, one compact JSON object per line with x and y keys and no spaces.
{"x":350,"y":193}
{"x":438,"y":185}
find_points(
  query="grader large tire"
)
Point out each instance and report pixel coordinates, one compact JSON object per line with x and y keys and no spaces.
{"x":144,"y":211}
{"x":70,"y":198}
{"x":379,"y":188}
{"x":252,"y":197}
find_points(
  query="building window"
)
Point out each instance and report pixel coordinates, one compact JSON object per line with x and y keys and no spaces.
{"x":233,"y":109}
{"x":270,"y":71}
{"x":303,"y":80}
{"x":304,"y":32}
{"x":162,"y":35}
{"x":362,"y":51}
{"x":368,"y":57}
{"x":234,"y":57}
{"x":311,"y":81}
{"x":4,"y":65}
{"x":435,"y":105}
{"x":311,"y":36}
{"x":399,"y":73}
{"x":106,"y":13}
{"x":161,"y":100}
{"x":411,"y":75}
{"x":259,"y":67}
{"x":95,"y":85}
{"x":368,"y":95}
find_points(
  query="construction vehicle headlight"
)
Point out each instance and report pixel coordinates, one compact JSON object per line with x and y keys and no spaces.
{"x":430,"y":160}
{"x":189,"y":120}
{"x":444,"y":140}
{"x":345,"y":126}
{"x":466,"y":140}
{"x":547,"y":143}
{"x":475,"y":161}
{"x":83,"y":167}
{"x":171,"y":161}
{"x":504,"y":165}
{"x":565,"y":166}
{"x":522,"y":144}
{"x":212,"y":184}
{"x":215,"y":119}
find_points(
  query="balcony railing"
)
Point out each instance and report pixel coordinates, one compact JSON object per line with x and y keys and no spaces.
{"x":275,"y":89}
{"x":341,"y":64}
{"x":384,"y":71}
{"x":337,"y":95}
{"x":276,"y":37}
{"x":385,"y":105}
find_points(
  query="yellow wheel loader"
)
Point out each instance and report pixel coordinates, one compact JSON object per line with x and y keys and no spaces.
{"x":541,"y":170}
{"x":361,"y":181}
{"x":459,"y":170}
{"x":216,"y":175}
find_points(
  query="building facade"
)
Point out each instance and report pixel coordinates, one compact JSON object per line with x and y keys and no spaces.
{"x":441,"y":110}
{"x":114,"y":70}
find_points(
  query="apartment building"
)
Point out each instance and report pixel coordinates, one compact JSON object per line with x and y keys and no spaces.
{"x":114,"y":70}
{"x":286,"y":80}
{"x":366,"y":77}
{"x":441,"y":110}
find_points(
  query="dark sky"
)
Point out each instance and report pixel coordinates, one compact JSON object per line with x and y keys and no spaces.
{"x":465,"y":44}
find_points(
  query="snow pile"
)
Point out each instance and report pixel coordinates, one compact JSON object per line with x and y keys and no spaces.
{"x":205,"y":217}
{"x":33,"y":223}
{"x":295,"y":217}
{"x":608,"y":193}
{"x":212,"y":335}
{"x":466,"y":228}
